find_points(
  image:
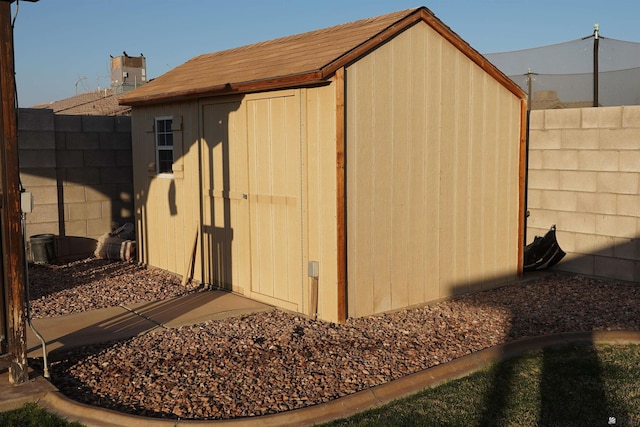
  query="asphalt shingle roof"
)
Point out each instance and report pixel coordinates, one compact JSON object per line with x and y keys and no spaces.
{"x":97,"y":103}
{"x":301,"y":59}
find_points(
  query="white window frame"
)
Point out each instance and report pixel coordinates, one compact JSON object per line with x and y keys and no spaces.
{"x":159,"y":148}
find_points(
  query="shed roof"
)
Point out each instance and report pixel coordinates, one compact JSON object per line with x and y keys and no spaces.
{"x":303,"y":59}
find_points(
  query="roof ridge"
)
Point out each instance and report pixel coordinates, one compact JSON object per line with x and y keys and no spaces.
{"x":298,"y":36}
{"x":303,"y":59}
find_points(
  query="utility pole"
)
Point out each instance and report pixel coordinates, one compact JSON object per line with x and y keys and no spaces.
{"x":596,"y":42}
{"x":529,"y":87}
{"x":13,"y":274}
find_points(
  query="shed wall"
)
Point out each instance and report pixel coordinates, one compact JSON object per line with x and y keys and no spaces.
{"x":264,"y":178}
{"x":432,"y":175}
{"x":320,"y":197}
{"x":252,"y":184}
{"x":225,"y":182}
{"x":166,"y":207}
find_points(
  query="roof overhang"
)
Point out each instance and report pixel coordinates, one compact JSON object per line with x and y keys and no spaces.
{"x":298,"y":80}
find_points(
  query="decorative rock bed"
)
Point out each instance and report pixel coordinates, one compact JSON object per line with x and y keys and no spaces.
{"x":277,"y":361}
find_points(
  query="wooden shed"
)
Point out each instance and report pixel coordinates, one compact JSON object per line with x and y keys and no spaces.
{"x":381,"y":161}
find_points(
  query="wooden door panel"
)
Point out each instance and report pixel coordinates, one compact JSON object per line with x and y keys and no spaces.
{"x":274,"y":200}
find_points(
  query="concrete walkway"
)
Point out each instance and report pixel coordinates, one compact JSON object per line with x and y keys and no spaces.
{"x":124,"y":322}
{"x":116,"y":323}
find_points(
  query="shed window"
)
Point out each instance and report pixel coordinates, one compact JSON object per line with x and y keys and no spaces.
{"x":164,"y":145}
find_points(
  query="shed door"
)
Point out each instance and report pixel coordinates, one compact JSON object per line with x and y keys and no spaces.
{"x":275,"y":200}
{"x":225,"y":222}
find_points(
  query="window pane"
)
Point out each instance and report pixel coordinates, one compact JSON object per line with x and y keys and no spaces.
{"x":164,"y":126}
{"x":163,"y":140}
{"x":165,"y":161}
{"x":164,"y":144}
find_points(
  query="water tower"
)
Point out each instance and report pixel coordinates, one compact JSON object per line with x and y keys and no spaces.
{"x":127,"y":72}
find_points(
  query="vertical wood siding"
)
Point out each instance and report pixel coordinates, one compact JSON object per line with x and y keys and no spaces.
{"x":166,"y":208}
{"x":251,"y":180}
{"x":320,"y":192}
{"x":263,"y":176}
{"x":432,"y":157}
{"x":432,"y":175}
{"x":274,"y":138}
{"x":225,"y":212}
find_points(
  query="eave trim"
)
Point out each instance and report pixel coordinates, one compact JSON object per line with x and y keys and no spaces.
{"x":311,"y":78}
{"x":425,"y":15}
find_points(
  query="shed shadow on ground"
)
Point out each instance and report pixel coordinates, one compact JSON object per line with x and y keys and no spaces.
{"x":555,"y":398}
{"x":119,"y":323}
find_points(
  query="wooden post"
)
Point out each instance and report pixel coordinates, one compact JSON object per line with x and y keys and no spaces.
{"x":13,"y":273}
{"x":341,"y":213}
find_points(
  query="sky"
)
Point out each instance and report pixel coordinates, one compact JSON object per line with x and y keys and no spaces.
{"x":62,"y":47}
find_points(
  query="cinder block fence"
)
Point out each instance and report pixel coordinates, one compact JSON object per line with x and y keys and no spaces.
{"x":584,"y":176}
{"x":78,"y":169}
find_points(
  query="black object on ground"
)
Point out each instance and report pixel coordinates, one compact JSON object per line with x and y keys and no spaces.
{"x":543,"y":252}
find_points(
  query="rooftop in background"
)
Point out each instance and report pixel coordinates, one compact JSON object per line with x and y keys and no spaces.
{"x":101,"y":102}
{"x":548,"y":100}
{"x":127,"y":73}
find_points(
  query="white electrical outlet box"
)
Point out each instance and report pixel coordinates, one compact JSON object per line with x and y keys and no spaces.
{"x":26,"y":202}
{"x":314,"y":269}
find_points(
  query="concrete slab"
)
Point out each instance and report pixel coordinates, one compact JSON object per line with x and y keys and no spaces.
{"x":116,"y":323}
{"x":90,"y":327}
{"x":197,"y":308}
{"x":14,"y":396}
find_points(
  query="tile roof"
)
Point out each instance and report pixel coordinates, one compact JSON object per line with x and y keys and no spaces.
{"x":548,"y":100}
{"x":97,"y":103}
{"x":302,"y":59}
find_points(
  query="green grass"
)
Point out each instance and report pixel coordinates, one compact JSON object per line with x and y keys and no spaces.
{"x":572,"y":385}
{"x":31,"y":415}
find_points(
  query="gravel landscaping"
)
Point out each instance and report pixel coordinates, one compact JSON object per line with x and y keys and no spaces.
{"x":93,"y":283}
{"x":277,"y":361}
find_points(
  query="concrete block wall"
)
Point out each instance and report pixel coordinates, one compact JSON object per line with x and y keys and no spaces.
{"x":79,"y":170}
{"x":584,"y":176}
